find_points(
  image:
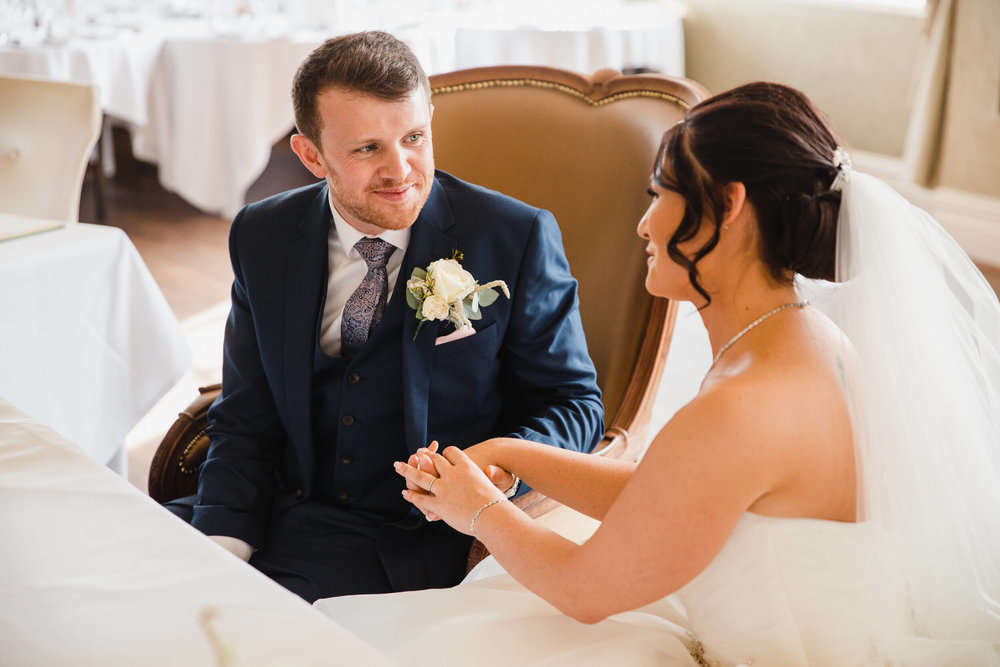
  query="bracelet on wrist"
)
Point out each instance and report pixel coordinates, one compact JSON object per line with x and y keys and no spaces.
{"x":512,"y":489}
{"x":472,"y":524}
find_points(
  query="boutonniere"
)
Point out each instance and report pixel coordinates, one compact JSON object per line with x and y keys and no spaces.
{"x":446,"y":291}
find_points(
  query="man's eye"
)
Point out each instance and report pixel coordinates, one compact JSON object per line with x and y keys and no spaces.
{"x":652,"y":193}
{"x":367,"y":149}
{"x":415,"y":137}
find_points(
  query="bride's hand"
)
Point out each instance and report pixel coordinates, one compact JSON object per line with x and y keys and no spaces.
{"x":458,"y":491}
{"x":480,"y":454}
{"x":421,"y":461}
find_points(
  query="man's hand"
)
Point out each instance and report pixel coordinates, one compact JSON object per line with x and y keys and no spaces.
{"x":482,"y":455}
{"x":233,"y":545}
{"x":500,"y":477}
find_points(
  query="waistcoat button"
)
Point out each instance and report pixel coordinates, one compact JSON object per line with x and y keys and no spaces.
{"x":354,"y":378}
{"x":342,"y":495}
{"x":347,"y":420}
{"x":346,"y":458}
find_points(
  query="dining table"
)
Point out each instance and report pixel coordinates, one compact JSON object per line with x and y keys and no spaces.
{"x":88,"y":343}
{"x":94,"y":572}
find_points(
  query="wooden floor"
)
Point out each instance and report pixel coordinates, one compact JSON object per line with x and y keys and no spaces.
{"x":186,"y":250}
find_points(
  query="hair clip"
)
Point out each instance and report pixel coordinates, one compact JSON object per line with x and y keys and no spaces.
{"x":842,"y":163}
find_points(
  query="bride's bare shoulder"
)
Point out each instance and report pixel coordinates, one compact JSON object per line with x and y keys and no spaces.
{"x":785,"y":390}
{"x":800,"y":361}
{"x":781,"y":415}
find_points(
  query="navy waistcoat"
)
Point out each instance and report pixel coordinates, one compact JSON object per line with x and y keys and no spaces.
{"x":358,"y":422}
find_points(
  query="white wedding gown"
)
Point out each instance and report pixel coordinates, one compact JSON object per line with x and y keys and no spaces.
{"x":781,"y":592}
{"x":915,"y":584}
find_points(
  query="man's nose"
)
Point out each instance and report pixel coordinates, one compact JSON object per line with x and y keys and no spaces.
{"x":396,"y":166}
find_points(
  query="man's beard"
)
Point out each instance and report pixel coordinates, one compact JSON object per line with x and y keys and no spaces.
{"x":385,"y":215}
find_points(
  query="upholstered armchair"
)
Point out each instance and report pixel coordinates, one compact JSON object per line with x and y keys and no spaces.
{"x":583,"y":148}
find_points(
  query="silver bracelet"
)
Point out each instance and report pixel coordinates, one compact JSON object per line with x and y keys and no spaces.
{"x":472,"y":524}
{"x":515,"y":485}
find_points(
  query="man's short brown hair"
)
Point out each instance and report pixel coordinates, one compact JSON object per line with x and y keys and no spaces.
{"x":370,"y":63}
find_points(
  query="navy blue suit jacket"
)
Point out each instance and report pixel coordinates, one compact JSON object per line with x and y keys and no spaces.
{"x":525,"y":373}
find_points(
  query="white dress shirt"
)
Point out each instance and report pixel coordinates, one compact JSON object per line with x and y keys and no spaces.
{"x":347,"y":270}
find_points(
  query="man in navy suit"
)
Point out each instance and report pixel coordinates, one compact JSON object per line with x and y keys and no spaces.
{"x":317,"y":403}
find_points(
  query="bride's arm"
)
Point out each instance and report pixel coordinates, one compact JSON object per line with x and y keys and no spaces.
{"x":704,"y":469}
{"x":586,"y":483}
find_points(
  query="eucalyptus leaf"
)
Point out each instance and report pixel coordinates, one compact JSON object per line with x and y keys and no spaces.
{"x":418,"y":273}
{"x":472,"y":314}
{"x":487,"y":297}
{"x":412,"y":301}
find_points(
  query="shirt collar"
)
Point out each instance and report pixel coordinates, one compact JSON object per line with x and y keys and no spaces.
{"x":348,"y":235}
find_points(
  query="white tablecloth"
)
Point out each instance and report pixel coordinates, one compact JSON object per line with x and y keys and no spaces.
{"x":582,"y":37}
{"x":206,"y":98}
{"x":216,"y":107}
{"x":93,"y":572}
{"x":87,"y":342}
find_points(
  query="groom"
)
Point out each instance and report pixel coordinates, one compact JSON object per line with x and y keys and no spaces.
{"x":326,"y":379}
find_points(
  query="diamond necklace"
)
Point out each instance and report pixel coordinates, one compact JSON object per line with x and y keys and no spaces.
{"x":797,"y":304}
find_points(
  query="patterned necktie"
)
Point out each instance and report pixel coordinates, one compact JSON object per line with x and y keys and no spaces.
{"x":365,"y":307}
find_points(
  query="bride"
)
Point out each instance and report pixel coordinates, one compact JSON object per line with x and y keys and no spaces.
{"x":832,"y":494}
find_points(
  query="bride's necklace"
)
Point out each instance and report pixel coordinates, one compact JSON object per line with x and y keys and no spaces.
{"x":797,"y":304}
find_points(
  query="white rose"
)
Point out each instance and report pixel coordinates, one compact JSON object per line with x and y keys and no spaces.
{"x":451,"y":282}
{"x":435,"y":308}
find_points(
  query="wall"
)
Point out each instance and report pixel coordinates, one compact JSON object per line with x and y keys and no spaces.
{"x":970,"y":153}
{"x":863,"y":67}
{"x":857,"y":66}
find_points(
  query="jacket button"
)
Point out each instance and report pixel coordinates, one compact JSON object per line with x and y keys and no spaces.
{"x":347,"y":420}
{"x":346,"y":458}
{"x":298,"y":492}
{"x":354,"y":378}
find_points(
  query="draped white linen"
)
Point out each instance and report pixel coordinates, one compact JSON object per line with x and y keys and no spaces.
{"x":88,"y":343}
{"x":93,"y":571}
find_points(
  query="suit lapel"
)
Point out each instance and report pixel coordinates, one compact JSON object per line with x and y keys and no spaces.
{"x":428,"y":242}
{"x":306,"y":277}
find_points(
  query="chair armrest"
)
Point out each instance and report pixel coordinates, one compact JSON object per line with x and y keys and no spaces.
{"x":173,"y":473}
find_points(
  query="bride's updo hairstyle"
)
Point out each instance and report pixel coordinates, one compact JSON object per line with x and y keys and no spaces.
{"x":770,"y":138}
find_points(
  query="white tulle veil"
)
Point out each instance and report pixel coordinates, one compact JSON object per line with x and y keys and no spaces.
{"x":924,"y":383}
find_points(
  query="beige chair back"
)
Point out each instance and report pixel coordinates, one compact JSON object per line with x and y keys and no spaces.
{"x":47,"y":132}
{"x":583,"y":148}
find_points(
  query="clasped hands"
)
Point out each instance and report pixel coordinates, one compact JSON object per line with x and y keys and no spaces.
{"x":451,"y":485}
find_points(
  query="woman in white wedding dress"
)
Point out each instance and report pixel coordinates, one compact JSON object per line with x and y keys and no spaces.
{"x":832,"y":494}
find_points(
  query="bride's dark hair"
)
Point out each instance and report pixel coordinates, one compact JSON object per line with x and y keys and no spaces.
{"x":770,"y":138}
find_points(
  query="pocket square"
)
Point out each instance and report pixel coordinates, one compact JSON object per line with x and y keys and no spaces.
{"x":457,"y":334}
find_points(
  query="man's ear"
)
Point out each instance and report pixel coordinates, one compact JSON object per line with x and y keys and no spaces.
{"x":308,"y":155}
{"x":735,"y":194}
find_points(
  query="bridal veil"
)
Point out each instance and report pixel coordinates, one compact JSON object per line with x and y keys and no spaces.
{"x":925,"y":390}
